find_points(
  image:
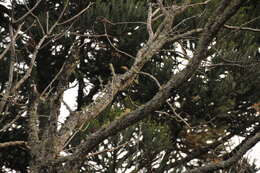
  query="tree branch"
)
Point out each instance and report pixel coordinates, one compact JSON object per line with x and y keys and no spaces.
{"x":29,"y":12}
{"x":118,"y":83}
{"x":242,"y":28}
{"x":227,"y":163}
{"x":12,"y":143}
{"x":211,"y":29}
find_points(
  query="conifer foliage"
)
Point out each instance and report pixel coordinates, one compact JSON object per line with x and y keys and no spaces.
{"x":162,"y":86}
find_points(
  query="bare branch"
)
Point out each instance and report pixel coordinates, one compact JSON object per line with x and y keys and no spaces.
{"x":227,"y":163}
{"x":5,"y":51}
{"x":55,"y":37}
{"x":153,"y":78}
{"x":34,"y":55}
{"x":28,"y":72}
{"x":149,"y":22}
{"x":108,"y":150}
{"x":29,"y":12}
{"x":115,"y":46}
{"x":169,"y":104}
{"x":12,"y":143}
{"x":199,"y":3}
{"x":53,"y":80}
{"x":186,"y":34}
{"x":14,"y":38}
{"x":11,"y":66}
{"x":77,"y":15}
{"x":67,"y":106}
{"x":37,"y":19}
{"x":199,"y":152}
{"x":242,"y":28}
{"x":177,"y":115}
{"x":10,"y":124}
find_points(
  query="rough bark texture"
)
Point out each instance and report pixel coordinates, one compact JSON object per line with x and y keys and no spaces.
{"x":46,"y":142}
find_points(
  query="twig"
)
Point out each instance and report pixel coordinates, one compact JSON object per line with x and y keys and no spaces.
{"x":67,"y":107}
{"x":34,"y":55}
{"x":32,"y":63}
{"x":53,"y":80}
{"x":185,"y":20}
{"x":37,"y":19}
{"x":199,"y":3}
{"x":116,"y":47}
{"x":57,"y":36}
{"x":26,"y":14}
{"x":237,"y":65}
{"x":177,"y":115}
{"x":122,"y":23}
{"x":14,"y":38}
{"x":153,"y":78}
{"x":77,"y":15}
{"x":13,"y":143}
{"x":112,"y":69}
{"x":108,"y":150}
{"x":9,"y":124}
{"x":172,"y":108}
{"x":90,"y":35}
{"x":5,"y":51}
{"x":155,"y":12}
{"x":242,"y":28}
{"x":11,"y":67}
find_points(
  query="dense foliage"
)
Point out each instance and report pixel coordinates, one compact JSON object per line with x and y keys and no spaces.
{"x":91,"y":46}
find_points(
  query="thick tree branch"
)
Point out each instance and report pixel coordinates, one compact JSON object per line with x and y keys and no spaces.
{"x":149,"y":21}
{"x":176,"y":81}
{"x":225,"y":11}
{"x":118,"y":83}
{"x":33,"y":121}
{"x":144,"y":110}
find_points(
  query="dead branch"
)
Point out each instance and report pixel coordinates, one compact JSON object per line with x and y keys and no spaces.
{"x":108,"y":150}
{"x":227,"y":163}
{"x":77,"y":15}
{"x":12,"y":143}
{"x":14,"y":38}
{"x":242,"y":28}
{"x":26,"y":14}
